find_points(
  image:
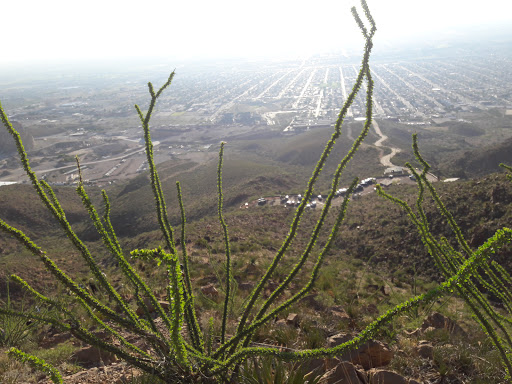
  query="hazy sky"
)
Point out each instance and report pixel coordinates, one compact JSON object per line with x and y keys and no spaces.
{"x":77,"y":30}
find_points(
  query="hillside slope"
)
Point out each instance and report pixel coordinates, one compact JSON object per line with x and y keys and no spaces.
{"x":7,"y":145}
{"x":480,"y":161}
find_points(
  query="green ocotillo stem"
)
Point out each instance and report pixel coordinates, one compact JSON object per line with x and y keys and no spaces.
{"x":226,"y":243}
{"x":318,"y":168}
{"x":190,"y":313}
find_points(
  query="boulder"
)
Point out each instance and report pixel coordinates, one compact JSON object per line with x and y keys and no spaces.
{"x":439,"y":321}
{"x":380,"y":376}
{"x":330,"y":363}
{"x":343,"y":373}
{"x":280,"y":324}
{"x":210,"y":290}
{"x":293,"y":319}
{"x":92,"y":356}
{"x":52,"y":340}
{"x":140,"y":311}
{"x":317,"y":365}
{"x":251,"y":269}
{"x":372,"y":354}
{"x":338,"y":339}
{"x":339,"y":313}
{"x":425,"y":350}
{"x":386,"y":290}
{"x":164,"y":304}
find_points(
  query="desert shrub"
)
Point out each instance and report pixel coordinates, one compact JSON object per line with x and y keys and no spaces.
{"x":142,"y":379}
{"x":14,"y":330}
{"x":36,"y":363}
{"x":270,"y":371}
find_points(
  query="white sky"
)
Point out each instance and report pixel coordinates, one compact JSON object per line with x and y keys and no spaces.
{"x":91,"y":29}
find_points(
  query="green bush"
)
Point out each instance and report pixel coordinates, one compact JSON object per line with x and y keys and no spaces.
{"x":15,"y":330}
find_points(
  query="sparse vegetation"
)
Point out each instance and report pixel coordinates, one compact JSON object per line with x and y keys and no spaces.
{"x":239,"y":342}
{"x":15,"y":331}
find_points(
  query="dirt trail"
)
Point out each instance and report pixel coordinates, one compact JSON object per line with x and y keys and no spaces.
{"x":385,"y":160}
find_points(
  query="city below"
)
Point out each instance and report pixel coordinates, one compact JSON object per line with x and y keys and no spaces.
{"x":91,"y":114}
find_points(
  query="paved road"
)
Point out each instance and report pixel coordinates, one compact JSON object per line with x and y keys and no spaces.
{"x":378,"y":108}
{"x":292,"y":81}
{"x":344,"y":91}
{"x":273,"y":84}
{"x":415,"y":88}
{"x":231,"y":103}
{"x":306,"y":86}
{"x":404,"y":101}
{"x":155,"y":143}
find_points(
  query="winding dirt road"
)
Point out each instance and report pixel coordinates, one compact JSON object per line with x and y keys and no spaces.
{"x":385,"y":160}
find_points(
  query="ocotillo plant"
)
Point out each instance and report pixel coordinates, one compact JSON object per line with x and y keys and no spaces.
{"x":485,"y":272}
{"x":177,"y":348}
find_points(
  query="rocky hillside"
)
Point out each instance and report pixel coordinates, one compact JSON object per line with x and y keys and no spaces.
{"x":480,"y":161}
